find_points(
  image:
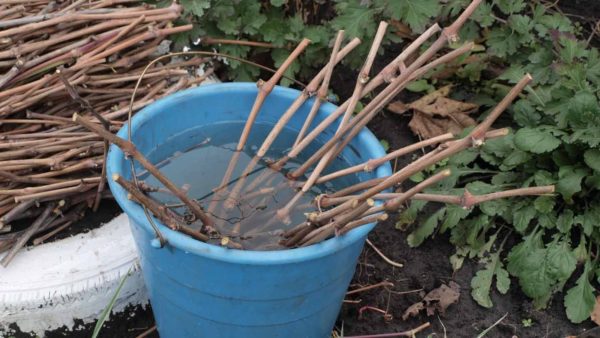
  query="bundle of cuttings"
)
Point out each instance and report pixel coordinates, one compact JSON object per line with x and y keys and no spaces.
{"x":63,"y":57}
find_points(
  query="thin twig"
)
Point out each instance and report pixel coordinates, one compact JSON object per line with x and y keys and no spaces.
{"x":130,"y":149}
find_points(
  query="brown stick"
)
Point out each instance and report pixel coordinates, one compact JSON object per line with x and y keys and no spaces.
{"x":372,"y":164}
{"x":409,"y":333}
{"x":158,"y":211}
{"x":370,"y":287}
{"x":384,"y":257}
{"x":39,"y":221}
{"x":64,"y":184}
{"x":43,"y":238}
{"x":298,"y":102}
{"x":323,"y":89}
{"x":130,"y":149}
{"x":376,"y":82}
{"x":15,"y":212}
{"x":264,"y":88}
{"x":363,"y":78}
{"x":207,"y":40}
{"x":454,"y":148}
{"x":353,"y":128}
{"x":55,"y":194}
{"x":28,"y":180}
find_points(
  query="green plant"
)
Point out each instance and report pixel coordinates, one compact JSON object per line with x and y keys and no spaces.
{"x":556,"y":141}
{"x":282,"y":24}
{"x":556,"y":125}
{"x":106,"y":312}
{"x":527,"y":322}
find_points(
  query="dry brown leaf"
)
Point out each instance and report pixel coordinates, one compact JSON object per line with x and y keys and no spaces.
{"x":430,"y":98}
{"x":413,"y":310}
{"x":397,"y":107}
{"x":595,"y":315}
{"x":435,"y":114}
{"x":437,"y":300}
{"x":444,"y":106}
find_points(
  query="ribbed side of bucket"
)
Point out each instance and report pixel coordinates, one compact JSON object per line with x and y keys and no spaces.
{"x":204,"y":298}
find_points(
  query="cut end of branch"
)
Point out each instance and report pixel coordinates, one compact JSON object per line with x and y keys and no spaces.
{"x":115,"y":177}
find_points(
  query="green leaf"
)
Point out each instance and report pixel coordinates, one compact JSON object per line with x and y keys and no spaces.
{"x":516,"y":158}
{"x":419,"y":86}
{"x":543,"y":177}
{"x":569,"y":180}
{"x":425,"y":229}
{"x":415,"y":13}
{"x":274,"y":30}
{"x":523,"y":216}
{"x":482,"y":282}
{"x":535,"y":140}
{"x":454,"y":213}
{"x":592,"y":159}
{"x":510,"y":6}
{"x":502,"y":42}
{"x":520,"y":23}
{"x":525,"y":114}
{"x":418,"y":177}
{"x":579,"y":301}
{"x":571,"y":49}
{"x":197,"y":7}
{"x":278,"y":3}
{"x":409,"y":215}
{"x":356,"y":18}
{"x":565,"y":221}
{"x":385,"y":144}
{"x":541,"y":270}
{"x":464,"y":157}
{"x":544,"y":204}
{"x":483,"y":14}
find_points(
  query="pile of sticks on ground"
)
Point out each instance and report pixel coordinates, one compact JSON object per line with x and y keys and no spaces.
{"x":62,"y":57}
{"x":353,"y":206}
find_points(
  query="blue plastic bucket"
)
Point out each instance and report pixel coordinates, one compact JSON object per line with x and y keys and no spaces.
{"x":202,"y":290}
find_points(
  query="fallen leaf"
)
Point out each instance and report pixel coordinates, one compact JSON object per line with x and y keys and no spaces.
{"x":435,"y":114}
{"x":595,"y":315}
{"x":413,"y":310}
{"x":441,"y":298}
{"x":397,"y":107}
{"x":430,"y":98}
{"x":436,"y":301}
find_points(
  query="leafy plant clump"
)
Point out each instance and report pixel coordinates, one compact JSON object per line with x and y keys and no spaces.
{"x":282,"y":23}
{"x":556,"y":137}
{"x":556,"y":141}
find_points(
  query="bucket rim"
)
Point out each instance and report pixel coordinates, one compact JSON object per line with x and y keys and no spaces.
{"x":180,"y":241}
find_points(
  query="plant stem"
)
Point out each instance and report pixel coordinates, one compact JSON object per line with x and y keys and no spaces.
{"x":160,"y":212}
{"x":372,"y":164}
{"x":265,"y":88}
{"x":453,"y":148}
{"x":129,"y":149}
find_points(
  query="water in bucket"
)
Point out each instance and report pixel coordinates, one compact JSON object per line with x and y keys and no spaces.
{"x":249,"y":217}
